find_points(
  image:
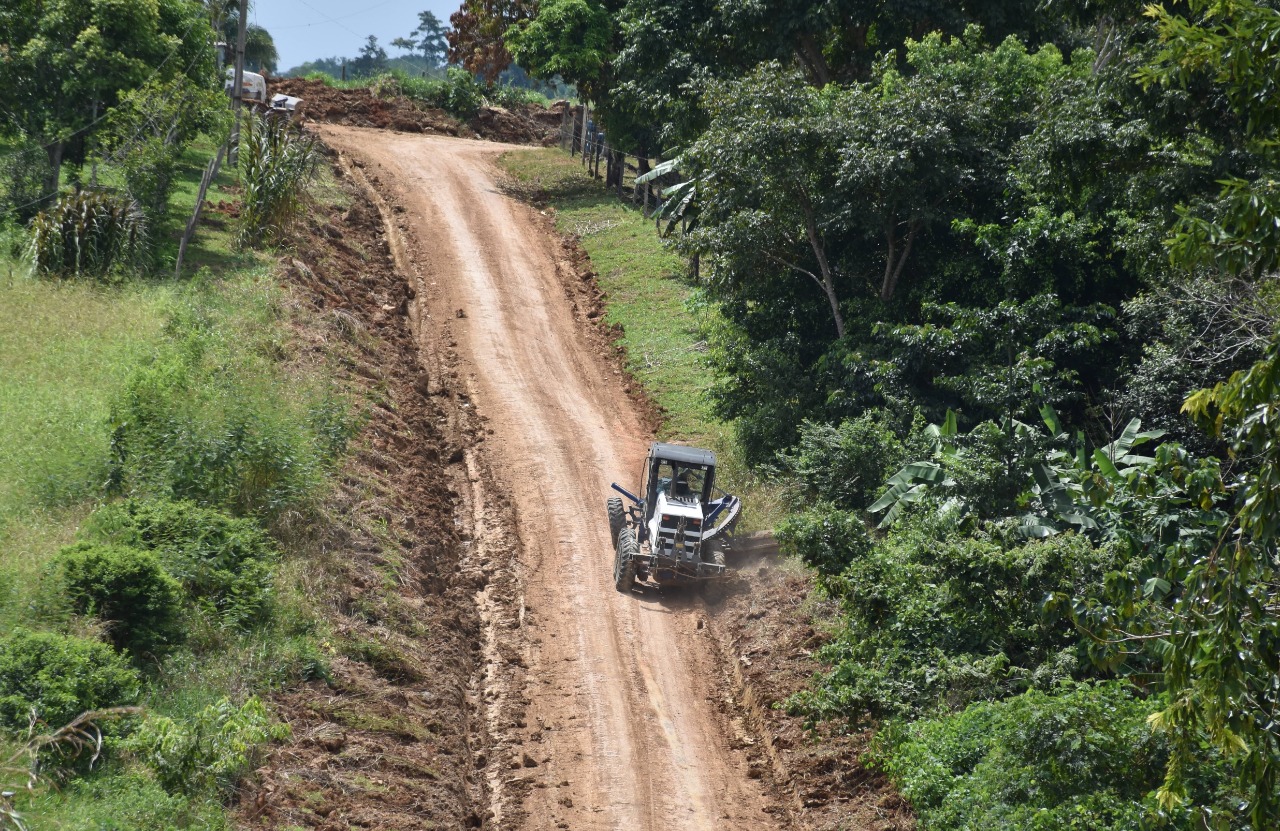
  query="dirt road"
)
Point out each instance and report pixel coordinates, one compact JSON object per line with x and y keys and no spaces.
{"x":608,"y":708}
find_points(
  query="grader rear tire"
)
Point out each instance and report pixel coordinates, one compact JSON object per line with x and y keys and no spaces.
{"x":624,"y":563}
{"x":617,"y":518}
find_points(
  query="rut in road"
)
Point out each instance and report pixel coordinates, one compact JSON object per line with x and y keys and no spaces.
{"x":621,"y":724}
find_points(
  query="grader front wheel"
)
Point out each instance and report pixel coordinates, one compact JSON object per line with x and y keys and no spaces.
{"x":617,"y":518}
{"x":624,"y":564}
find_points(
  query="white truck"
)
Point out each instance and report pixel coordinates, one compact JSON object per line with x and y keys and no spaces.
{"x":254,"y":92}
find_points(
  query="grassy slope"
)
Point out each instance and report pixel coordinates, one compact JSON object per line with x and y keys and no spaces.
{"x":66,"y":350}
{"x":648,"y":294}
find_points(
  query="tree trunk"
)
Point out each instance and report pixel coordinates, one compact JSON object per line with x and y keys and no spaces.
{"x":828,"y":280}
{"x":815,"y":63}
{"x":642,"y":167}
{"x":55,"y":170}
{"x":894,"y":261}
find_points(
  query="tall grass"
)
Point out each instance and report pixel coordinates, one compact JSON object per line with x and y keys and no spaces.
{"x":66,"y":349}
{"x":278,"y":163}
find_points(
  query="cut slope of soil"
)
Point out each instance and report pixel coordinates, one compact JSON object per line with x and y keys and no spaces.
{"x":389,"y":740}
{"x":768,"y":626}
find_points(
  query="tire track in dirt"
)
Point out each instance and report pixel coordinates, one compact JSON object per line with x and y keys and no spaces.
{"x":604,"y":705}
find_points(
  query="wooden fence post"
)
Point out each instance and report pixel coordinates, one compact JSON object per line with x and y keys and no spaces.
{"x":209,"y":173}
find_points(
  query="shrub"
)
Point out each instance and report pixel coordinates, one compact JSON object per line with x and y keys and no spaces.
{"x":933,"y":620}
{"x":826,"y":538}
{"x":225,"y":564}
{"x":126,"y":587}
{"x":210,"y":751}
{"x":846,"y":464}
{"x":277,"y":163}
{"x":507,"y":95}
{"x":458,"y":94}
{"x":1077,"y":759}
{"x":200,"y":424}
{"x":130,"y":799}
{"x":88,"y":234}
{"x":60,"y":677}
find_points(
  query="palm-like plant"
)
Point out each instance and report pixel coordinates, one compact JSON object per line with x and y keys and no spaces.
{"x":88,"y":234}
{"x":277,"y":164}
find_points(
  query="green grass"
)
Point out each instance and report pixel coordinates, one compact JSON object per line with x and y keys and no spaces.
{"x":649,"y":293}
{"x":67,"y":351}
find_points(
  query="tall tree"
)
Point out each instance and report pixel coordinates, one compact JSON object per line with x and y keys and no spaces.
{"x":371,"y":60}
{"x":431,"y":39}
{"x":66,"y":62}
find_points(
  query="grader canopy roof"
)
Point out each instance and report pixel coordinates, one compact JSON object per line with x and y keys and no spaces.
{"x":679,"y":453}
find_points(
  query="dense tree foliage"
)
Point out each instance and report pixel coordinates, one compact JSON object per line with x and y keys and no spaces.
{"x":970,"y":260}
{"x":477,"y":35}
{"x":65,"y":63}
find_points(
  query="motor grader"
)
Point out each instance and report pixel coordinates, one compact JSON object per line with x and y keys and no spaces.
{"x":674,"y":531}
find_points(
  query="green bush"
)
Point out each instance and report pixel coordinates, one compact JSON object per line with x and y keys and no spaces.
{"x":209,"y":752}
{"x":129,"y":589}
{"x":459,"y":94}
{"x":847,"y":463}
{"x":60,"y":677}
{"x":507,"y":95}
{"x":826,"y":538}
{"x":209,"y":421}
{"x":24,"y":168}
{"x":88,"y":234}
{"x":225,"y":564}
{"x":933,"y":621}
{"x":1081,"y":758}
{"x":128,"y":798}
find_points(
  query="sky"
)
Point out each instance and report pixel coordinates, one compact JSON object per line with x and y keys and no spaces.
{"x":308,"y":29}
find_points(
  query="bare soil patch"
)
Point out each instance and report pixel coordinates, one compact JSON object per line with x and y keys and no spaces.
{"x":768,"y":625}
{"x":360,"y":107}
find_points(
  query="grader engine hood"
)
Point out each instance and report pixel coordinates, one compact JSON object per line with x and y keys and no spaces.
{"x":676,"y":528}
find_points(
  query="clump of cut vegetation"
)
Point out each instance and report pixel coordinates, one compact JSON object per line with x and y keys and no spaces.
{"x":89,"y":234}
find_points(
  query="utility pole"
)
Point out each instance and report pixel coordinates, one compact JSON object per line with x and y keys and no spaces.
{"x":237,"y":88}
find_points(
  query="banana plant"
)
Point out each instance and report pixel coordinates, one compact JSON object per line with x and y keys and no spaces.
{"x":678,"y":200}
{"x":910,"y":484}
{"x":1066,"y":488}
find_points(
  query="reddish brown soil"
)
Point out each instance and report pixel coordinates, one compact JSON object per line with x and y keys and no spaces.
{"x":389,"y":742}
{"x":487,"y":674}
{"x":360,"y":107}
{"x":606,"y":709}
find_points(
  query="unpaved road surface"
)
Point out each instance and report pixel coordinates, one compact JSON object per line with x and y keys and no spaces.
{"x":607,"y":710}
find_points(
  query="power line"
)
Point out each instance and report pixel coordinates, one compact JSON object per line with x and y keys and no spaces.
{"x":333,"y":20}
